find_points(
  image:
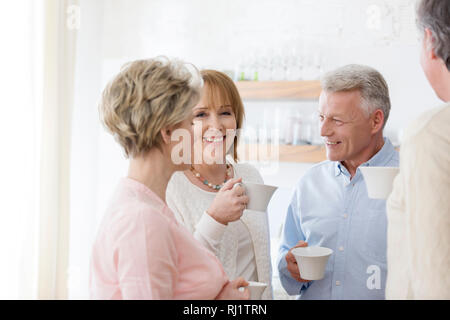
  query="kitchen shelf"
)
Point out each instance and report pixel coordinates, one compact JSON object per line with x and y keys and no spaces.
{"x":286,"y":153}
{"x":279,"y":90}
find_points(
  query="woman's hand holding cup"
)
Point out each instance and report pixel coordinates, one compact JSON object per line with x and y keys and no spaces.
{"x":229,"y":203}
{"x":235,"y":290}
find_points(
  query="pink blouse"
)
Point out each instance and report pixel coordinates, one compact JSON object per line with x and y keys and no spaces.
{"x":141,"y":252}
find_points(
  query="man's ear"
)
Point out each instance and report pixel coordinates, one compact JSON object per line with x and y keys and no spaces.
{"x":429,"y":43}
{"x":377,"y":120}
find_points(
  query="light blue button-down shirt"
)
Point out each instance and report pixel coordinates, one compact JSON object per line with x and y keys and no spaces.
{"x":330,"y":210}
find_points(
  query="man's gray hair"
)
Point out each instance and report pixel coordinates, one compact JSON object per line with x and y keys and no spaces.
{"x":435,"y":15}
{"x":370,"y":83}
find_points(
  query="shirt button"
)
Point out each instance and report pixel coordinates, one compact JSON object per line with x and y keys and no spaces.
{"x":338,"y":283}
{"x":341,"y":248}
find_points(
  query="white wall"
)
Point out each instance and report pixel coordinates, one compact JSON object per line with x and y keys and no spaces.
{"x":220,"y":34}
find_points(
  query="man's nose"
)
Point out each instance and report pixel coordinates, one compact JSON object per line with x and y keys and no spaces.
{"x":325,"y":128}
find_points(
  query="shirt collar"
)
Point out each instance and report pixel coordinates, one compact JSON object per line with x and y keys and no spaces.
{"x":150,"y":196}
{"x":378,"y":160}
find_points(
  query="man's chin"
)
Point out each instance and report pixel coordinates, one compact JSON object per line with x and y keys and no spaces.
{"x":333,"y":157}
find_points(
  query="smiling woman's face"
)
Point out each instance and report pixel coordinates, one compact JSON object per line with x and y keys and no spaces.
{"x":214,"y":126}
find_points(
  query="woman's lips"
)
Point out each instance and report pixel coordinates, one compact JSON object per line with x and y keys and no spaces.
{"x":214,"y":139}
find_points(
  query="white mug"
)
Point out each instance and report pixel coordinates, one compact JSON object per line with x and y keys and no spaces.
{"x":259,"y":195}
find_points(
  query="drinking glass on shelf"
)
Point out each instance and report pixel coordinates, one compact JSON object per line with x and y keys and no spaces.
{"x":278,"y":67}
{"x":288,"y":134}
{"x":309,"y":69}
{"x":303,"y":130}
{"x":317,"y":60}
{"x":296,"y":133}
{"x":264,"y":71}
{"x":294,"y":65}
{"x":306,"y":131}
{"x":298,"y":67}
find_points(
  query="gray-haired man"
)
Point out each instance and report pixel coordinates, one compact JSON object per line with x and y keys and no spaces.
{"x":419,"y":206}
{"x":330,"y":206}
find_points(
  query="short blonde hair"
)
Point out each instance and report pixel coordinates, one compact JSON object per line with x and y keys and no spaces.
{"x":146,"y":96}
{"x":218,"y":83}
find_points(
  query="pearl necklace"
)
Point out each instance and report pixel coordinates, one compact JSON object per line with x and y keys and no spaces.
{"x":215,"y":187}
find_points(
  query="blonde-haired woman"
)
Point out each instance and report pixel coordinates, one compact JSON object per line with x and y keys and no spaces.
{"x":141,"y":251}
{"x":203,"y":197}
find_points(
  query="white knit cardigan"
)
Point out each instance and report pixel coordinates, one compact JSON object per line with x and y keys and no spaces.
{"x":189,"y":202}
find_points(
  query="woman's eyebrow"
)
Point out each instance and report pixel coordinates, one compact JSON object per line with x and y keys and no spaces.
{"x":200,"y":108}
{"x":212,"y":107}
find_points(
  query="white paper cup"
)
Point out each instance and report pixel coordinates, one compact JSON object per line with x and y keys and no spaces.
{"x":312,"y":261}
{"x":256,"y":289}
{"x":379,"y":181}
{"x":259,"y":195}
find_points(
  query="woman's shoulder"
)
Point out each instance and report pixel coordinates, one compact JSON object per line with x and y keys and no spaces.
{"x":136,"y":214}
{"x":248,"y":172}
